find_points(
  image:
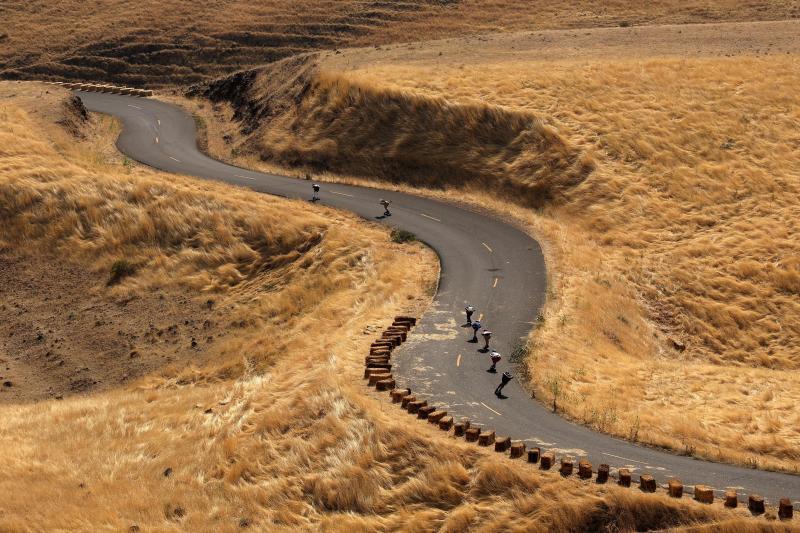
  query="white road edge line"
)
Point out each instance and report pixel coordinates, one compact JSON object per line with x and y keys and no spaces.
{"x":487,"y":246}
{"x":430,"y":217}
{"x":341,"y":194}
{"x":245,"y":177}
{"x":178,"y":160}
{"x":492,"y":410}
{"x":625,"y":458}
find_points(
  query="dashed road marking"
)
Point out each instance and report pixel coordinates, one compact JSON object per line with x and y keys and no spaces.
{"x":495,"y":282}
{"x":430,"y":217}
{"x":134,"y":106}
{"x":487,"y":246}
{"x":342,"y":194}
{"x":245,"y":177}
{"x":178,"y":160}
{"x":492,"y":410}
{"x":480,"y":317}
{"x":625,"y":458}
{"x":156,"y":140}
{"x":458,"y":360}
{"x":159,"y":121}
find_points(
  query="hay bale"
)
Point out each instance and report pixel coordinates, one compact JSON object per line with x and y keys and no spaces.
{"x":385,"y":384}
{"x":486,"y":438}
{"x":755,"y":503}
{"x":731,"y":499}
{"x":375,"y":378}
{"x":675,"y":488}
{"x":501,"y":444}
{"x":647,"y":483}
{"x":534,"y":454}
{"x":407,"y":400}
{"x":446,"y":423}
{"x":785,"y":509}
{"x":414,"y":407}
{"x":403,"y":318}
{"x":398,"y":394}
{"x":517,"y":449}
{"x":624,"y":477}
{"x":703,"y":494}
{"x":472,"y":434}
{"x":602,"y":473}
{"x":435,"y":416}
{"x":547,"y":460}
{"x":425,"y":411}
{"x":567,"y":464}
{"x":459,"y":429}
{"x":584,"y":469}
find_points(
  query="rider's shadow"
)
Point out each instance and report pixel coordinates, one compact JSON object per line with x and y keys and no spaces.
{"x":381,"y":217}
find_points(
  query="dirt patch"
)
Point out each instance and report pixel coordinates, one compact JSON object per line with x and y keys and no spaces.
{"x":61,"y":333}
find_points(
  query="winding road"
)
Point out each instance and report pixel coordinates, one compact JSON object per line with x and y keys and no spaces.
{"x":485,"y":262}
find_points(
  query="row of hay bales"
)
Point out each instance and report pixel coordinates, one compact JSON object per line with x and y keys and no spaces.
{"x":101,"y":88}
{"x":378,"y":372}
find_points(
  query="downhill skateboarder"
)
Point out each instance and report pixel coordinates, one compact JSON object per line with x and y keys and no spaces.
{"x":469,"y":310}
{"x":495,"y":359}
{"x":486,"y":334}
{"x":475,"y":327}
{"x":385,"y":204}
{"x":505,"y":379}
{"x":315,"y":196}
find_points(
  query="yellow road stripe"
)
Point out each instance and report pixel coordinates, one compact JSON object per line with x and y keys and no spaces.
{"x":341,"y":194}
{"x":430,"y":217}
{"x":487,"y":246}
{"x":458,"y":361}
{"x":495,"y":282}
{"x":156,"y":140}
{"x":480,"y":317}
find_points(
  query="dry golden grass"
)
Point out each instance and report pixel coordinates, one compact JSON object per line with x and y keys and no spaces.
{"x":179,"y":42}
{"x":682,"y":233}
{"x":290,"y":444}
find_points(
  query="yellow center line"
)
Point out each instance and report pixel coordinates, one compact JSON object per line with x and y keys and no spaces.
{"x":156,"y":140}
{"x":178,"y":160}
{"x":487,"y":246}
{"x":245,"y":177}
{"x":159,"y":121}
{"x":492,"y":410}
{"x":342,"y":194}
{"x":495,"y":283}
{"x":480,"y":317}
{"x":430,"y":217}
{"x":458,"y":361}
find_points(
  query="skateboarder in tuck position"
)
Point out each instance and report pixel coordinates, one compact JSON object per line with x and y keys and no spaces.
{"x":475,"y":327}
{"x":486,"y":334}
{"x":315,"y":196}
{"x":469,"y":310}
{"x":385,"y":204}
{"x":495,"y":357}
{"x":504,"y":381}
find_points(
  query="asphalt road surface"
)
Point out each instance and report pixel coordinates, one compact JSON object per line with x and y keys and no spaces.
{"x":485,"y":262}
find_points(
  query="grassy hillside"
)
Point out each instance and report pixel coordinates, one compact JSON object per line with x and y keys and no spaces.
{"x":178,"y":42}
{"x":284,"y":437}
{"x":672,"y":317}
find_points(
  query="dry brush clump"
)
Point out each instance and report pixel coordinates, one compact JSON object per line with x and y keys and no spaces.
{"x":295,"y":444}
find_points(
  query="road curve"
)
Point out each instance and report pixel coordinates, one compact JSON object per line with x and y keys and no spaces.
{"x":488,"y":263}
